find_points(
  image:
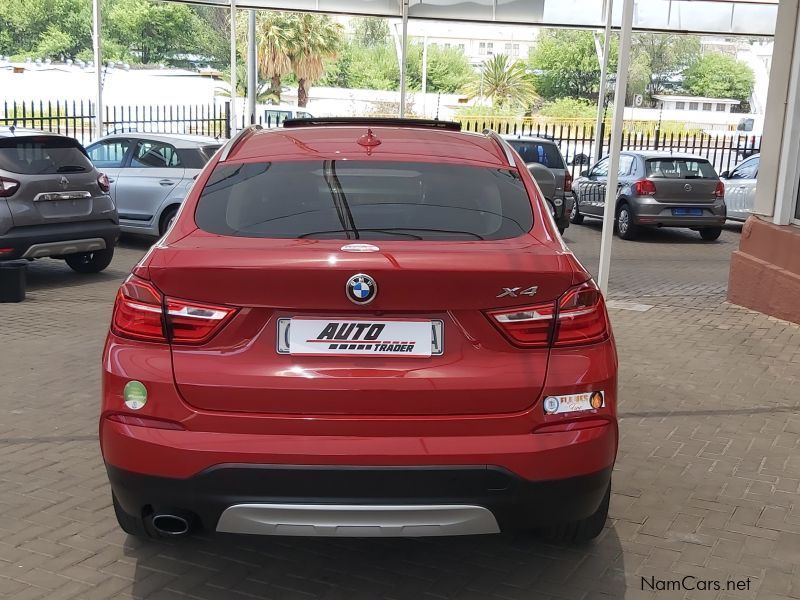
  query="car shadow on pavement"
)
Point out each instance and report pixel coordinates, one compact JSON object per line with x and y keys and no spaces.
{"x":476,"y":567}
{"x":661,"y":235}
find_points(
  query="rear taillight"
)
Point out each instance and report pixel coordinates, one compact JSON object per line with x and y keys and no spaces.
{"x":582,"y":317}
{"x":528,"y":326}
{"x":8,"y":187}
{"x":644,"y":187}
{"x":719,"y":191}
{"x":138,"y":312}
{"x":103,"y":182}
{"x":567,"y":181}
{"x":141,"y":312}
{"x":579,"y":319}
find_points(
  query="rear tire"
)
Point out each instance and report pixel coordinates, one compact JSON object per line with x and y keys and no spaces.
{"x":166,"y":220}
{"x":583,"y":530}
{"x":626,"y":228}
{"x":709,"y":234}
{"x":90,"y":262}
{"x":575,"y":216}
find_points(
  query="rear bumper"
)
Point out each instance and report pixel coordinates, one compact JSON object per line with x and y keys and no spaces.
{"x":59,"y":239}
{"x":319,"y":500}
{"x":648,"y":211}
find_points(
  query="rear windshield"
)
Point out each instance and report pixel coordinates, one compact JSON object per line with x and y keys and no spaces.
{"x":44,"y":155}
{"x":369,"y":200}
{"x":680,"y":168}
{"x":539,"y":152}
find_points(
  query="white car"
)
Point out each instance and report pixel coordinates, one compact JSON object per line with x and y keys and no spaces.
{"x":150,"y":175}
{"x":740,"y":188}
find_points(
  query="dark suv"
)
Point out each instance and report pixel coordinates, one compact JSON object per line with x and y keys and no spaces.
{"x":53,"y":202}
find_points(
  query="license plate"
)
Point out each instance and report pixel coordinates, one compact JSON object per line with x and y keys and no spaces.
{"x":360,"y":337}
{"x":687,"y":212}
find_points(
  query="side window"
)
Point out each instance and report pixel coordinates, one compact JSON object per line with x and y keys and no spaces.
{"x":110,"y":153}
{"x":155,"y":155}
{"x":625,"y":165}
{"x":746,"y":170}
{"x":600,"y":169}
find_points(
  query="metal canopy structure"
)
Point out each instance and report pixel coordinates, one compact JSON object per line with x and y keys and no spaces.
{"x":716,"y":17}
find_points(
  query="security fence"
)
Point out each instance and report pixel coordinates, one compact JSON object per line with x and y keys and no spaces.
{"x":576,"y":139}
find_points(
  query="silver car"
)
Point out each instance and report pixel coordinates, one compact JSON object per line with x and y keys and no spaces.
{"x":740,"y":188}
{"x":150,"y":175}
{"x":542,"y":156}
{"x":655,"y":189}
{"x":54,"y":202}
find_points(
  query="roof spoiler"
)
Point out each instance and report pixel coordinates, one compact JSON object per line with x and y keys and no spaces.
{"x":504,"y":145}
{"x":372,"y":121}
{"x":236,"y":140}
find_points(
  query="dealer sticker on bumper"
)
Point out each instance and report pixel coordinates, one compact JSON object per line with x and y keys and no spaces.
{"x":556,"y":405}
{"x":348,"y":337}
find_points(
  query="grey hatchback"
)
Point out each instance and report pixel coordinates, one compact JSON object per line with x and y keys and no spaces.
{"x":53,"y":202}
{"x":657,"y":189}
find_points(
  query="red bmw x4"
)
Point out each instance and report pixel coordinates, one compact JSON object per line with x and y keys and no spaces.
{"x":361,"y":328}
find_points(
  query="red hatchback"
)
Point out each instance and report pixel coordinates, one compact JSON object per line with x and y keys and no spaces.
{"x":361,"y":328}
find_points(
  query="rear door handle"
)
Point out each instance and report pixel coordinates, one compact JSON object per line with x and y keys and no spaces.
{"x":110,"y":180}
{"x":166,"y":182}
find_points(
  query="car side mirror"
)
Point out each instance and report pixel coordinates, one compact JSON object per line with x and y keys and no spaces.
{"x":585,"y":173}
{"x":725,"y":175}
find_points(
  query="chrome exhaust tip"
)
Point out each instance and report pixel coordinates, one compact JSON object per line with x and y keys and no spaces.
{"x":169,"y":524}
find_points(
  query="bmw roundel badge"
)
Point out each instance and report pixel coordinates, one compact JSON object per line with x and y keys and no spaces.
{"x":361,"y":289}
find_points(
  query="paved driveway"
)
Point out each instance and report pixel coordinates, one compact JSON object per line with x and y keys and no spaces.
{"x":706,"y":484}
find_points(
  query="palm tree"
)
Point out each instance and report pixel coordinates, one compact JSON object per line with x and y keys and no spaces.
{"x":505,"y":82}
{"x":274,"y":37}
{"x":314,"y":38}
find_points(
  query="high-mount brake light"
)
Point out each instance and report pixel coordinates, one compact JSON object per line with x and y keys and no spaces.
{"x":141,"y":312}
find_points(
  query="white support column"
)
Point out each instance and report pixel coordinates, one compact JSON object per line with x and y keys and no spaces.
{"x":98,"y":67}
{"x":403,"y":60}
{"x":252,"y":67}
{"x":234,"y":83}
{"x":425,"y":76}
{"x":609,"y":210}
{"x":597,"y":151}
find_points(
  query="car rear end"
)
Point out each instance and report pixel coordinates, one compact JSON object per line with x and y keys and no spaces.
{"x":678,"y":191}
{"x":53,"y":202}
{"x":359,"y":332}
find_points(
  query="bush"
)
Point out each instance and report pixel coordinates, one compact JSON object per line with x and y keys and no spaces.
{"x":569,"y":108}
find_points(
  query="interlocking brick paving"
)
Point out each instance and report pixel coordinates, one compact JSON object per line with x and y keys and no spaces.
{"x":706,"y":484}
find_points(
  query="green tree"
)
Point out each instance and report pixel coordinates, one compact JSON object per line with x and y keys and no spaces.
{"x":314,"y":38}
{"x":505,"y":82}
{"x":718,"y":75}
{"x":569,"y":108}
{"x":45,"y":28}
{"x":274,"y":40}
{"x":449,"y":71}
{"x":371,"y":31}
{"x":155,"y":31}
{"x":664,"y":55}
{"x":565,"y":64}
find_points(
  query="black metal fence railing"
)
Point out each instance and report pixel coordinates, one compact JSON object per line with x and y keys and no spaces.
{"x":723,"y":149}
{"x":576,"y":139}
{"x":76,"y":118}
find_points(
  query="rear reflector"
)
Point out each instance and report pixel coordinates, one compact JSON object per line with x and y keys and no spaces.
{"x":580,"y":319}
{"x":142,"y":313}
{"x":644,"y":187}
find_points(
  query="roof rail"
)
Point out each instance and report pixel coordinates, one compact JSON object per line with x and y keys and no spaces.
{"x":373,"y":121}
{"x":504,"y":145}
{"x":237,"y":139}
